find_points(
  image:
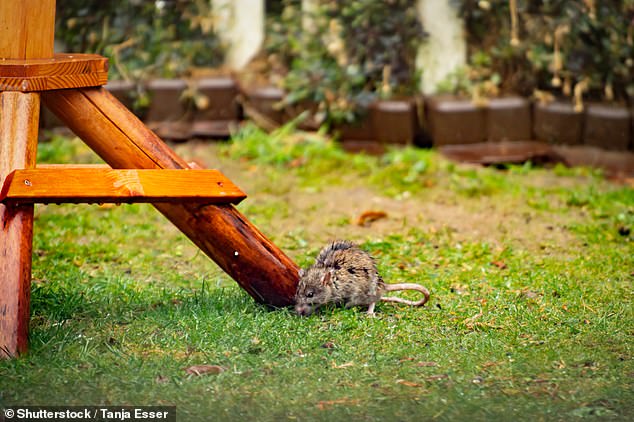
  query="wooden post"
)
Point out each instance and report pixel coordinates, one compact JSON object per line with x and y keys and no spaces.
{"x":26,"y":32}
{"x":220,"y":231}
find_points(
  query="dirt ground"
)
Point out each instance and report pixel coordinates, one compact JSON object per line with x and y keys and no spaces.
{"x":320,"y":215}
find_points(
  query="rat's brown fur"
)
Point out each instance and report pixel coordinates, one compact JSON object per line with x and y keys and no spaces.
{"x":343,"y":274}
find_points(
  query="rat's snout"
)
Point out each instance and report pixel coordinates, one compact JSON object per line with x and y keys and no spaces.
{"x":303,"y":309}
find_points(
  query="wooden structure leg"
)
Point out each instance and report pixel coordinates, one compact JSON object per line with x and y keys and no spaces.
{"x":26,"y":31}
{"x":19,"y":115}
{"x":220,"y":231}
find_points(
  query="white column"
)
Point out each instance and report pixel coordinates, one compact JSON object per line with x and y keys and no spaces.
{"x":446,"y":47}
{"x":241,"y":27}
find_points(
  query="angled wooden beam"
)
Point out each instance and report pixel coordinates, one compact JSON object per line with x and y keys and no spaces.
{"x":101,"y":185}
{"x":220,"y":231}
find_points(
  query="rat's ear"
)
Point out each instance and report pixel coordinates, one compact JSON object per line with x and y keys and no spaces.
{"x":326,"y":279}
{"x":302,"y":273}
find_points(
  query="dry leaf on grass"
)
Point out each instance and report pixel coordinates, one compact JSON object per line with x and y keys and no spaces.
{"x":343,"y":365}
{"x":204,"y":370}
{"x":368,"y":217}
{"x":324,"y":404}
{"x":408,"y":383}
{"x":426,"y":364}
{"x":500,"y":264}
{"x":297,"y":162}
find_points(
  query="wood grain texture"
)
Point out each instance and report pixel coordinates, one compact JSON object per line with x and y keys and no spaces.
{"x":221,"y":231}
{"x":99,"y":185}
{"x":61,"y":71}
{"x":27,"y":29}
{"x":19,"y":114}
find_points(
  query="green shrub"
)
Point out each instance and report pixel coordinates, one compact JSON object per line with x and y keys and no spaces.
{"x":343,"y":55}
{"x":556,"y":45}
{"x":142,"y":39}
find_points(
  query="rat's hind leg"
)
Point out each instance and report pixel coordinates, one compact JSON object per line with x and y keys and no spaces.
{"x":371,"y":309}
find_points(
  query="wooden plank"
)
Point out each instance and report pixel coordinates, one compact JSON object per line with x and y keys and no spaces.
{"x":99,"y":185}
{"x":61,"y":71}
{"x":60,"y":64}
{"x":220,"y":231}
{"x":53,"y":82}
{"x":72,"y":166}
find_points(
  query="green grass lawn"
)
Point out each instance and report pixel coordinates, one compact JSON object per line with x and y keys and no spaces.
{"x":530,"y":317}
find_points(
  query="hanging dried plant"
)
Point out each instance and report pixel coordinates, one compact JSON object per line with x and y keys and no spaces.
{"x":515,"y":39}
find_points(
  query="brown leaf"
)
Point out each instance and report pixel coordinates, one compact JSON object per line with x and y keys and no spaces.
{"x":322,"y":405}
{"x":368,"y":217}
{"x":408,"y":383}
{"x":470,"y":320}
{"x":297,"y":162}
{"x":161,"y":379}
{"x":204,"y":370}
{"x":426,"y":364}
{"x":500,"y":264}
{"x":343,"y":365}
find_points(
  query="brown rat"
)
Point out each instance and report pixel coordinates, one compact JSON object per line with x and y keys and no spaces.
{"x":343,"y":274}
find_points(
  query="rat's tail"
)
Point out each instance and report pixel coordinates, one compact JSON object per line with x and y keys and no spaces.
{"x":406,"y":286}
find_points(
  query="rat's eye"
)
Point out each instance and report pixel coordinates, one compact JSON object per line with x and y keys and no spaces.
{"x":310,"y":294}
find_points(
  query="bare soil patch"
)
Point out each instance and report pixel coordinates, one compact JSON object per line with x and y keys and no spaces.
{"x":320,"y":215}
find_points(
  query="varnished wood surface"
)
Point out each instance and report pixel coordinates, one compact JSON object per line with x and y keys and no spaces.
{"x":221,"y":231}
{"x":58,"y":72}
{"x":18,"y":142}
{"x":101,"y":185}
{"x":27,"y":29}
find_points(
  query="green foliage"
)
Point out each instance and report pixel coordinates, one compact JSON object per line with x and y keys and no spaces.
{"x":284,"y":147}
{"x":62,"y":150}
{"x":382,"y":38}
{"x":142,"y":39}
{"x":559,"y":44}
{"x":315,"y":156}
{"x":344,"y":55}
